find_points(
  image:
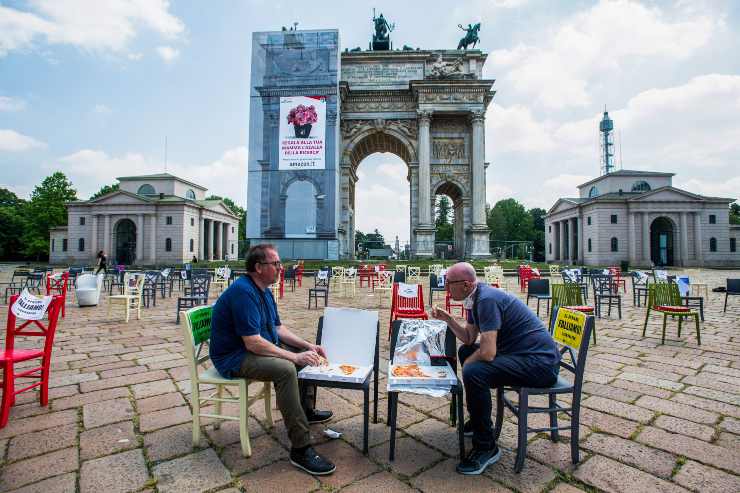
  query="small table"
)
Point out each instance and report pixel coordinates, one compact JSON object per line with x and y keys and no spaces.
{"x":694,"y":302}
{"x":315,"y":294}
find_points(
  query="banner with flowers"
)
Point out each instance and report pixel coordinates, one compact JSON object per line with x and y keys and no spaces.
{"x":302,"y":133}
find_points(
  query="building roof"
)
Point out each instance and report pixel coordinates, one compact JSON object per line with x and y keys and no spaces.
{"x":159,"y":176}
{"x":628,"y":172}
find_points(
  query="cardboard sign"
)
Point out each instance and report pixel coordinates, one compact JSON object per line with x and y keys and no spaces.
{"x":569,"y":328}
{"x":29,"y":307}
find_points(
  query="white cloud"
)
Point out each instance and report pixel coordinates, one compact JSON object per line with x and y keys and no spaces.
{"x":102,"y":25}
{"x":509,"y":4}
{"x":168,"y":53}
{"x":11,"y":104}
{"x":514,"y":129}
{"x":135,"y":56}
{"x":728,"y":187}
{"x":12,"y":141}
{"x":101,"y":109}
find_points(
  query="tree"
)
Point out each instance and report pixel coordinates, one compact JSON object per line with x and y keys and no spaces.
{"x":360,"y":240}
{"x":538,"y":232}
{"x":237,"y":211}
{"x":105,"y":190}
{"x":509,"y":221}
{"x":443,"y":212}
{"x":734,"y":213}
{"x":46,"y":209}
{"x":12,"y":224}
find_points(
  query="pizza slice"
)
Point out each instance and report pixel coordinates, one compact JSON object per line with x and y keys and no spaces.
{"x":347,"y":369}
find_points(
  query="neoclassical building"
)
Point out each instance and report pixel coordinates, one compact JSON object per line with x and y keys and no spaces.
{"x":151,"y":219}
{"x":640,"y":217}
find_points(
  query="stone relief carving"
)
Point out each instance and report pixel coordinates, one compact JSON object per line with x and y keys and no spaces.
{"x":448,"y":149}
{"x":362,"y":105}
{"x":448,"y":70}
{"x":449,"y":125}
{"x":451,"y":97}
{"x":351,"y":128}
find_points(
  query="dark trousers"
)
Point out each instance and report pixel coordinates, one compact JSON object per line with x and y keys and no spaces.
{"x":480,"y":377}
{"x":103,"y":268}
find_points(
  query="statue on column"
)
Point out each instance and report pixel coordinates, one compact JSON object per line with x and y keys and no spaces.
{"x":381,"y":38}
{"x":471,"y":36}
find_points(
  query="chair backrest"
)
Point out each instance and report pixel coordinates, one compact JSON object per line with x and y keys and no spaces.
{"x":30,"y":328}
{"x":403,"y":300}
{"x":572,"y":332}
{"x":350,"y":274}
{"x":337,"y":271}
{"x":539,"y":287}
{"x":663,"y":294}
{"x":435,"y":268}
{"x":200,"y":285}
{"x":436,"y":282}
{"x":602,"y":284}
{"x":413,"y":272}
{"x":566,"y":295}
{"x":640,"y":279}
{"x":321,"y":278}
{"x":196,"y":332}
{"x":733,"y":286}
{"x":385,"y":279}
{"x":399,"y":276}
{"x":150,"y":278}
{"x":290,"y":272}
{"x":350,"y":336}
{"x":57,"y":283}
{"x":554,"y":270}
{"x":133,"y":285}
{"x":450,"y":341}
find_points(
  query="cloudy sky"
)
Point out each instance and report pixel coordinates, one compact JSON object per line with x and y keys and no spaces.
{"x":93,"y":87}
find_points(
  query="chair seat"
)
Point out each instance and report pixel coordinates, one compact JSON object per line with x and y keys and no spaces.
{"x":20,"y":354}
{"x":122,"y":297}
{"x":211,"y":375}
{"x":582,"y":308}
{"x":560,"y":386}
{"x":672,"y":309}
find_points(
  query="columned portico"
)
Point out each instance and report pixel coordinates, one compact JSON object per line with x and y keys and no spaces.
{"x":556,"y":249}
{"x":697,"y":238}
{"x":581,"y":240}
{"x":479,"y":229}
{"x":575,"y":240}
{"x":227,"y":240}
{"x":631,"y":254}
{"x":106,"y":237}
{"x":94,"y":238}
{"x":201,"y":238}
{"x":563,"y":241}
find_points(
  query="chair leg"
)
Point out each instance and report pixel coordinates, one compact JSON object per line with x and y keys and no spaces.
{"x":392,"y":407}
{"x":195,"y":396}
{"x":553,"y":400}
{"x":575,"y":428}
{"x":680,"y":320}
{"x":220,"y":395}
{"x":724,"y":309}
{"x":8,"y":394}
{"x":644,"y":327}
{"x":665,"y":319}
{"x":698,"y":333}
{"x":521,"y":450}
{"x":268,"y":404}
{"x":593,"y":332}
{"x":499,"y":413}
{"x":460,"y":423}
{"x":365,"y":419}
{"x":243,"y":417}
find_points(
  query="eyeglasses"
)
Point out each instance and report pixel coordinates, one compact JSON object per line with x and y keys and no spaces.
{"x":455,"y":282}
{"x":275,"y":264}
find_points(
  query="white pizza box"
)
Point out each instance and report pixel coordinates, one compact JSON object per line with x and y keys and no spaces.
{"x":333,"y":373}
{"x":436,"y":375}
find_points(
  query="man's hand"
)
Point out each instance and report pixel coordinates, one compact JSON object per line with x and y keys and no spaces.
{"x":441,"y":314}
{"x":317,"y":349}
{"x":307,"y":358}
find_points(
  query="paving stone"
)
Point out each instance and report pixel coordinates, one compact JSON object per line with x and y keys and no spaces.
{"x":195,"y":472}
{"x":105,"y":412}
{"x":708,"y":404}
{"x":691,"y":448}
{"x":118,"y":372}
{"x":37,"y":468}
{"x":623,"y":395}
{"x":265,"y":450}
{"x":149,"y":389}
{"x":651,"y":380}
{"x":38,"y":423}
{"x":606,"y":422}
{"x":61,"y":381}
{"x":556,"y":455}
{"x":437,"y":434}
{"x":351,"y":464}
{"x":411,"y":456}
{"x":621,"y":409}
{"x":381,"y":482}
{"x":632,"y":453}
{"x":442,"y":478}
{"x":565,"y":488}
{"x":159,"y":402}
{"x":717,"y":395}
{"x":533,"y":478}
{"x":166,"y":417}
{"x":64,"y":483}
{"x":108,"y":383}
{"x":41,"y":442}
{"x":641,"y":388}
{"x":684,"y":427}
{"x":107,"y":440}
{"x":79,"y":400}
{"x":123,"y":472}
{"x":171,"y":442}
{"x":228,"y":432}
{"x":352,"y":431}
{"x":611,"y":476}
{"x":676,"y":409}
{"x":280,"y":476}
{"x":729,"y":441}
{"x":731,"y":424}
{"x":702,"y":478}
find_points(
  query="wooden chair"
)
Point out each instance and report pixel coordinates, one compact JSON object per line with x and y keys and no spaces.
{"x":196,"y":333}
{"x":335,"y":280}
{"x":384,"y":285}
{"x":665,"y":298}
{"x":413,"y":275}
{"x":131,"y":297}
{"x":58,"y":285}
{"x":221,"y":279}
{"x":349,"y":281}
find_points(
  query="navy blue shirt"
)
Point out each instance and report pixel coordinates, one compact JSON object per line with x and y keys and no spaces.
{"x":242,"y":310}
{"x":520,"y":331}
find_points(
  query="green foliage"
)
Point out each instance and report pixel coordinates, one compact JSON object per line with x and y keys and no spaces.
{"x":735,"y":213}
{"x":12,"y":224}
{"x":46,"y":209}
{"x":105,"y":190}
{"x":237,"y":211}
{"x":443,"y":219}
{"x":509,"y":220}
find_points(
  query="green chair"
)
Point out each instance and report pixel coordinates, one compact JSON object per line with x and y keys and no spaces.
{"x":570,"y":296}
{"x":666,"y":299}
{"x":197,"y":332}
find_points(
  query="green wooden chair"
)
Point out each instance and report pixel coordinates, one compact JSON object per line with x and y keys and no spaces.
{"x":570,"y":296}
{"x":665,"y":298}
{"x":197,"y":332}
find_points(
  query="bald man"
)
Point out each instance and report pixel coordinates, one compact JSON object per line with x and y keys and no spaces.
{"x":514,"y":349}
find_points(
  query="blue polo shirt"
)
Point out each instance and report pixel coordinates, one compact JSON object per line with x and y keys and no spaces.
{"x":242,"y":310}
{"x":520,"y":331}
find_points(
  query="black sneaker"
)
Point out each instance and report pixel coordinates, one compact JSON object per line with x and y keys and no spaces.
{"x":477,"y":461}
{"x":311,"y":462}
{"x":468,"y":428}
{"x":315,"y":416}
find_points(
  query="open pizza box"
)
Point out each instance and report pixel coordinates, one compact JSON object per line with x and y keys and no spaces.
{"x":421,"y":375}
{"x":419,"y":356}
{"x":348,"y":338}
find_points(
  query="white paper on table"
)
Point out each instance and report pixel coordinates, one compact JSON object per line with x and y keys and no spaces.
{"x":333,"y":373}
{"x":407,"y":290}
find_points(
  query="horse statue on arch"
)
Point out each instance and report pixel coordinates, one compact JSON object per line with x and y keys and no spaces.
{"x":471,"y":36}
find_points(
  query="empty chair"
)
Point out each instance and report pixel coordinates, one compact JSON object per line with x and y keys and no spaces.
{"x":131,"y":297}
{"x":87,"y":289}
{"x":664,"y":298}
{"x":733,"y":289}
{"x":539,"y":289}
{"x":407,"y":302}
{"x":196,"y":293}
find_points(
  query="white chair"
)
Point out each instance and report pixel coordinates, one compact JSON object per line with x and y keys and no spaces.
{"x":87,"y":289}
{"x":131,"y":297}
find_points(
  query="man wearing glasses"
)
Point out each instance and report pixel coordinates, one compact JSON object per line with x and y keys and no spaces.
{"x":246,"y":340}
{"x":514,"y":349}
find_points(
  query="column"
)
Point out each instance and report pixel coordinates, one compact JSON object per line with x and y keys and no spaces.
{"x":106,"y":239}
{"x":575,"y":240}
{"x":94,"y":238}
{"x":217,"y":240}
{"x":478,"y":169}
{"x":425,"y":205}
{"x":153,"y":241}
{"x":201,"y":238}
{"x":697,"y":239}
{"x":561,"y":227}
{"x":139,"y":238}
{"x":631,"y":237}
{"x":684,"y":240}
{"x":209,"y":246}
{"x":581,"y":239}
{"x":556,"y":241}
{"x":227,"y":239}
{"x":645,"y":239}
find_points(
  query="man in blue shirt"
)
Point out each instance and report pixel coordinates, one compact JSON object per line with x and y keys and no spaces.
{"x":246,"y":339}
{"x":514,"y":349}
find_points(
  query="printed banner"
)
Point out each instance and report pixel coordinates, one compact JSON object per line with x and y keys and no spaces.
{"x":29,"y":307}
{"x":302,"y":133}
{"x":569,"y":327}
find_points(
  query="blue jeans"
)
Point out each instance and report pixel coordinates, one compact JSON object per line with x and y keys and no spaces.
{"x":480,"y":377}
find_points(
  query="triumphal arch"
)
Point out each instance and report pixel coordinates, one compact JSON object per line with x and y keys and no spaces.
{"x":315,"y":114}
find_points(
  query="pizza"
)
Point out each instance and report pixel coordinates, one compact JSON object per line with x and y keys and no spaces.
{"x":323,"y":361}
{"x":347,"y":369}
{"x":411,"y":370}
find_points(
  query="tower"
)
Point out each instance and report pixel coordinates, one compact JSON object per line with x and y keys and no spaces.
{"x":606,"y":128}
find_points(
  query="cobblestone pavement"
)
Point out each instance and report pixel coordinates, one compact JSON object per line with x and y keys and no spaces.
{"x":655,"y":417}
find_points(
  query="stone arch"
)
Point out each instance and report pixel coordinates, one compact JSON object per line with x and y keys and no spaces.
{"x":456,"y":192}
{"x":378,"y":138}
{"x":663,"y":241}
{"x":124,"y":232}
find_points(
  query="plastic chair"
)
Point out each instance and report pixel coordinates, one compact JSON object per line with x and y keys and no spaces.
{"x":131,"y":298}
{"x":87,"y":289}
{"x":406,"y":307}
{"x":451,"y":304}
{"x":522,"y":409}
{"x":733,"y":289}
{"x":196,"y":332}
{"x":539,"y":289}
{"x":9,"y":356}
{"x":665,"y":298}
{"x":58,"y":286}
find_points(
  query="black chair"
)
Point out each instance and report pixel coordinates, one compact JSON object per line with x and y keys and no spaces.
{"x":196,"y":294}
{"x":117,"y":281}
{"x":540,"y":290}
{"x":733,"y":289}
{"x":290,"y":277}
{"x":639,"y":287}
{"x":456,"y":405}
{"x":578,"y":280}
{"x":364,"y":386}
{"x":320,"y":288}
{"x":604,"y":291}
{"x":17,"y":283}
{"x":399,"y":277}
{"x":149,"y":289}
{"x":434,"y":287}
{"x":562,"y":386}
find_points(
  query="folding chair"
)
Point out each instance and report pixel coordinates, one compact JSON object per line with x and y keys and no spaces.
{"x":58,"y":285}
{"x":9,"y":356}
{"x":576,"y":345}
{"x":664,"y":298}
{"x":196,"y":333}
{"x":539,"y":289}
{"x":131,"y":297}
{"x":407,"y":304}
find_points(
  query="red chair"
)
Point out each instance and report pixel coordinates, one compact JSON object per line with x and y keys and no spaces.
{"x":282,"y":282}
{"x":10,"y":355}
{"x":365,"y":274}
{"x":525,"y":274}
{"x":450,"y":304}
{"x":617,"y":279}
{"x":58,"y":286}
{"x":402,"y":307}
{"x":299,"y":274}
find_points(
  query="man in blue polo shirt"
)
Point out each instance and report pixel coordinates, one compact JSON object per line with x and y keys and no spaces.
{"x":246,"y":340}
{"x":514,"y":349}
